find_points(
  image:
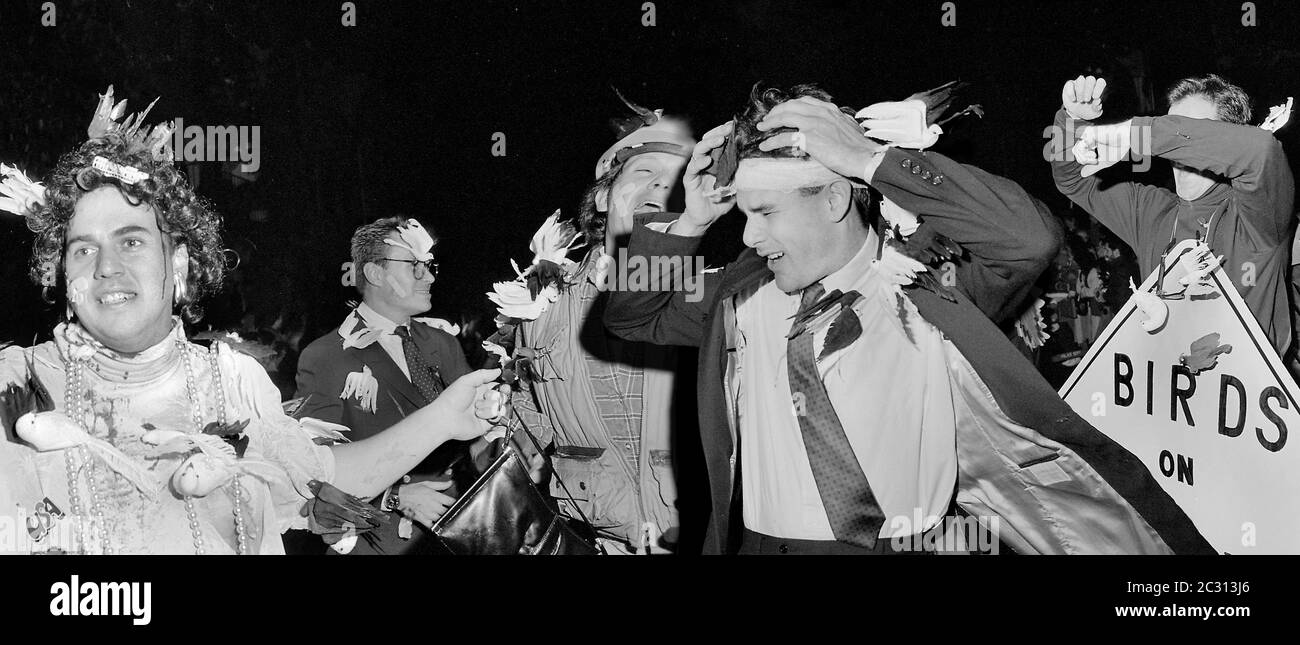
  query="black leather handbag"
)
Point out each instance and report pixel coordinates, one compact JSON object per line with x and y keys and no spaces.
{"x":503,"y":513}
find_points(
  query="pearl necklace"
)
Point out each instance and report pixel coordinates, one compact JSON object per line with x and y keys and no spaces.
{"x":74,"y":405}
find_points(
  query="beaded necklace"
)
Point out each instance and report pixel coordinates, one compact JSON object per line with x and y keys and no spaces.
{"x":94,"y":525}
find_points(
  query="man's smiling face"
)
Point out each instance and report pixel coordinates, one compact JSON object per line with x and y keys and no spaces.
{"x":403,"y":291}
{"x":119,"y":271}
{"x":645,"y":185}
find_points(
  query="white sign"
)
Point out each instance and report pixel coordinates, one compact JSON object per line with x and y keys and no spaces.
{"x":1209,"y":416}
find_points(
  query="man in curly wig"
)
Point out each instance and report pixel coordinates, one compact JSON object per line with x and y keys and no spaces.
{"x":189,"y":235}
{"x":121,"y":436}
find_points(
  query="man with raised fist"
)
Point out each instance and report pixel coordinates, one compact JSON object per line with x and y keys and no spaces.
{"x":1233,"y":187}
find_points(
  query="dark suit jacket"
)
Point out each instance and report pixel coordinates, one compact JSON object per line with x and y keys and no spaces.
{"x":323,"y":369}
{"x":1010,"y":237}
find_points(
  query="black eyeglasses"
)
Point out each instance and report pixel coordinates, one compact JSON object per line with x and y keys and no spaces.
{"x":419,"y":267}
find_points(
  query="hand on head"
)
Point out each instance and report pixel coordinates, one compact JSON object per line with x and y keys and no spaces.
{"x":704,"y":202}
{"x":823,"y":132}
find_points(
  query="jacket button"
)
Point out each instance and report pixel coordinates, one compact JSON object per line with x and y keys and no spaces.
{"x":907,"y":163}
{"x":925,"y":174}
{"x":938,"y":179}
{"x":784,"y":548}
{"x":916,"y":170}
{"x":628,"y":446}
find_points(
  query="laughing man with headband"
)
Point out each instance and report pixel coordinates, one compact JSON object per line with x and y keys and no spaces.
{"x":605,"y":405}
{"x":844,"y":407}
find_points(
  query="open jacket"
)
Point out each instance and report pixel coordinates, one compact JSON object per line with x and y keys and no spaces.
{"x":1057,"y":484}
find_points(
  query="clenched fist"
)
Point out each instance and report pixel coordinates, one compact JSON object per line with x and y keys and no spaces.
{"x":1082,"y":97}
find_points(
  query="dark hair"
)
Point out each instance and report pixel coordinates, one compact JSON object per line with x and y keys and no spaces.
{"x":1230,"y":101}
{"x":591,"y":222}
{"x":182,"y":216}
{"x":748,"y":136}
{"x":368,"y":243}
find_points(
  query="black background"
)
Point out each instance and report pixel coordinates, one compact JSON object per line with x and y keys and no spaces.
{"x":397,"y":114}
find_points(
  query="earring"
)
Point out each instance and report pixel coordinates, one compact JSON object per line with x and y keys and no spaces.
{"x":68,"y":314}
{"x":178,"y":281}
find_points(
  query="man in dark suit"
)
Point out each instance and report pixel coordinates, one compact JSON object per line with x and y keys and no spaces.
{"x":382,"y":364}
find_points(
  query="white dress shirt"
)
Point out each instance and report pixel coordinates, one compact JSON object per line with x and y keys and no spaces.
{"x":890,"y":389}
{"x":390,"y":341}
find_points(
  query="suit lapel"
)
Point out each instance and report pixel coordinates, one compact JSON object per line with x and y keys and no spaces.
{"x":386,"y":371}
{"x":749,"y":269}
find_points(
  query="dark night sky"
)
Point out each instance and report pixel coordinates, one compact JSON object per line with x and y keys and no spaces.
{"x":397,"y":114}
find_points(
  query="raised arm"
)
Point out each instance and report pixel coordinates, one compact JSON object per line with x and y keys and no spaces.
{"x":365,"y":468}
{"x":674,"y":314}
{"x":1118,"y":205}
{"x":1011,"y":237}
{"x":1251,"y":158}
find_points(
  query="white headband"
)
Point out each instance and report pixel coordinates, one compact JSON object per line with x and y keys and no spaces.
{"x":782,"y":174}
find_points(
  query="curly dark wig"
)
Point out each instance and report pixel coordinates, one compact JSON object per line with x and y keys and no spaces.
{"x":183,"y":216}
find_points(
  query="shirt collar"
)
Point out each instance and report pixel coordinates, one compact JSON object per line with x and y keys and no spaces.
{"x":849,"y":276}
{"x":375,"y":320}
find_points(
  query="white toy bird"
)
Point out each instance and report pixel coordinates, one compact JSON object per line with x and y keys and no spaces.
{"x":49,"y":431}
{"x":1154,"y":310}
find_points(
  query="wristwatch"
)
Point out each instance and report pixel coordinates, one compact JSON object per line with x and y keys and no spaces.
{"x":392,"y":497}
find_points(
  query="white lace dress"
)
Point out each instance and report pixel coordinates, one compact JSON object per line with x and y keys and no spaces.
{"x":122,"y":399}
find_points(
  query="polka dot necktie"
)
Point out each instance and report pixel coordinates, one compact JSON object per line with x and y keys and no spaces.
{"x":425,"y":378}
{"x":851,"y":507}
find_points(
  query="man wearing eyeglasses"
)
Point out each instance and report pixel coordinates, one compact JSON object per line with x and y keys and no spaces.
{"x":382,"y":364}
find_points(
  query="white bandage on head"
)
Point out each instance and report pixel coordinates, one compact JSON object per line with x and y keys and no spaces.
{"x":782,"y":174}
